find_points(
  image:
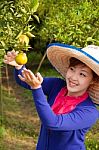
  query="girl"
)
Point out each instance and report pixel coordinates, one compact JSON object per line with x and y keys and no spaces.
{"x":69,"y":111}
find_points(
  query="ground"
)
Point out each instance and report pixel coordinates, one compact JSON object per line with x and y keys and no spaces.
{"x":20,"y":118}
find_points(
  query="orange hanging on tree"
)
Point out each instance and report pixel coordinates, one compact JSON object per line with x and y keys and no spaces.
{"x":21,"y":58}
{"x":24,"y":39}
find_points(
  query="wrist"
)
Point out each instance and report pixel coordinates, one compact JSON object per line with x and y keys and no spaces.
{"x":19,"y":67}
{"x":35,"y":87}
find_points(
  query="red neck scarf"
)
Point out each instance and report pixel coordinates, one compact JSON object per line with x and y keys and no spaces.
{"x":65,"y":104}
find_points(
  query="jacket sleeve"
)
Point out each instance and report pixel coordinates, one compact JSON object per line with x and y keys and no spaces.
{"x":82,"y":117}
{"x":47,"y":85}
{"x":21,"y":83}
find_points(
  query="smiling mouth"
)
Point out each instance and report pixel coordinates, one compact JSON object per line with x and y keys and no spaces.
{"x":72,"y":84}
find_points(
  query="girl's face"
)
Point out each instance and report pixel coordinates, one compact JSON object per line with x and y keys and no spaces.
{"x":78,"y":79}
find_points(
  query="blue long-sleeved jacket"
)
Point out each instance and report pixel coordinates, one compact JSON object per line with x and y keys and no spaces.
{"x":65,"y":131}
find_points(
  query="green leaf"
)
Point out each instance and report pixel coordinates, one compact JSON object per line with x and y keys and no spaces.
{"x":37,"y":18}
{"x":89,"y":39}
{"x":34,"y":5}
{"x":19,"y":34}
{"x":3,"y":44}
{"x":30,"y":35}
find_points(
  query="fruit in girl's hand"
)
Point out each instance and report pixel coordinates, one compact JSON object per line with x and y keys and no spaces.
{"x":21,"y":58}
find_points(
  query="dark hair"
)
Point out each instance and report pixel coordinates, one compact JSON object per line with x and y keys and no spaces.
{"x":74,"y":62}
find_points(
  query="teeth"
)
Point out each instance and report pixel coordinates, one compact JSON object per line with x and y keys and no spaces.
{"x":72,"y":84}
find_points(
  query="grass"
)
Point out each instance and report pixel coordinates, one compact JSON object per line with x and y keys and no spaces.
{"x":19,"y":122}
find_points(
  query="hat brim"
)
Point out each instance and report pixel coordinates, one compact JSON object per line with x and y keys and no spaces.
{"x":60,"y":54}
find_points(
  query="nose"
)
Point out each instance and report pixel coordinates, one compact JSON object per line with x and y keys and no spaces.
{"x":74,"y":76}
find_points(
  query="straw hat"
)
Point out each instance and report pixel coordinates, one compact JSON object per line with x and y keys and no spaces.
{"x":59,"y":55}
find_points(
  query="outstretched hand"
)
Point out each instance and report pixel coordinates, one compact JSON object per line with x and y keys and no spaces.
{"x":9,"y":58}
{"x":34,"y":81}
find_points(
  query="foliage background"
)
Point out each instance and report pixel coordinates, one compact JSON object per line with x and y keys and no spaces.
{"x":15,"y":16}
{"x":73,"y":22}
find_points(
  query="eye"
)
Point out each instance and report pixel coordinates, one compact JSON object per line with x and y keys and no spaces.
{"x":82,"y":74}
{"x":72,"y":68}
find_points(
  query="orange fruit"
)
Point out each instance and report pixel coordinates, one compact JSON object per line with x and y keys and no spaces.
{"x":24,"y":39}
{"x":21,"y":58}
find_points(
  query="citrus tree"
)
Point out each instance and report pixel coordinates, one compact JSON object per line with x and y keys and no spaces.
{"x":72,"y":22}
{"x":15,"y":28}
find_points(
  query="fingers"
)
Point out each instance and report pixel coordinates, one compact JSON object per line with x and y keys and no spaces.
{"x":21,"y":78}
{"x":26,"y":75}
{"x":30,"y":78}
{"x":6,"y":61}
{"x":39,"y":77}
{"x":10,"y":56}
{"x":14,"y":53}
{"x":31,"y":74}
